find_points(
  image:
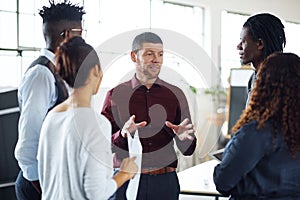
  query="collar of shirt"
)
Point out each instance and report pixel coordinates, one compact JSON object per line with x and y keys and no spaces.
{"x":136,"y":83}
{"x":48,"y":54}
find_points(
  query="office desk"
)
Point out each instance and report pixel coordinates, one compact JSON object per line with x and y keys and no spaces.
{"x":198,"y":180}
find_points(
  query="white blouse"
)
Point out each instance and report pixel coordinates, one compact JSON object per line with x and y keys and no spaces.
{"x":74,"y":156}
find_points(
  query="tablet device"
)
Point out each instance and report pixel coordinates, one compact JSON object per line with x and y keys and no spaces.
{"x":217,"y":154}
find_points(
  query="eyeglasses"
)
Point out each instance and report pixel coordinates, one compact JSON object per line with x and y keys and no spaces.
{"x":75,"y":32}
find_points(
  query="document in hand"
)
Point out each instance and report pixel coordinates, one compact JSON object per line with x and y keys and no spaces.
{"x":135,"y":149}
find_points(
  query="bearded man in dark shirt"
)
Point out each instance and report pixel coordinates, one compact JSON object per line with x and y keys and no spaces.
{"x":162,"y":115}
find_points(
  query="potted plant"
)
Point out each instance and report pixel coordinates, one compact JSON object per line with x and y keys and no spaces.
{"x":218,"y":97}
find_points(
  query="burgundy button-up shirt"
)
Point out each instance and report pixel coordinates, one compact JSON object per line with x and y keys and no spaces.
{"x":162,"y":102}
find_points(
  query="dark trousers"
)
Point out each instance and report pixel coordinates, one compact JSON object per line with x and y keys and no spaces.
{"x":25,"y":190}
{"x":153,"y":187}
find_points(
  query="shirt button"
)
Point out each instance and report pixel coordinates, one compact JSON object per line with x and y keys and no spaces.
{"x":150,"y":143}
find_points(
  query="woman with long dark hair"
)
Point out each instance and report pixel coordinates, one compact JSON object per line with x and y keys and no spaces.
{"x":74,"y":156}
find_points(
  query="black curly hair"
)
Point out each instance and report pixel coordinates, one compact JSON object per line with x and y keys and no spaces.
{"x":61,"y":11}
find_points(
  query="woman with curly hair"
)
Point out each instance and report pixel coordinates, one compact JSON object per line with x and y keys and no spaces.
{"x":262,"y":160}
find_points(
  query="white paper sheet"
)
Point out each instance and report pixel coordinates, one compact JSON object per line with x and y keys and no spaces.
{"x":135,"y":149}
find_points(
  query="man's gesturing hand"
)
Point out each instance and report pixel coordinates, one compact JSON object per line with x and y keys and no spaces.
{"x":183,"y":130}
{"x":130,"y":126}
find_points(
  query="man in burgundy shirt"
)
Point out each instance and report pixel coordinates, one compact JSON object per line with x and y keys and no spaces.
{"x":161,"y":114}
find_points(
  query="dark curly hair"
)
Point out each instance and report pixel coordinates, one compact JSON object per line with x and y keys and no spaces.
{"x":61,"y":11}
{"x":276,"y":98}
{"x":268,"y":28}
{"x":74,"y":60}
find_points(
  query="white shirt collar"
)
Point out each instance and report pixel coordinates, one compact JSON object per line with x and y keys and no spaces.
{"x":48,"y":54}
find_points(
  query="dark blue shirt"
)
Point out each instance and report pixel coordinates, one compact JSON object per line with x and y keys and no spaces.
{"x":259,"y":166}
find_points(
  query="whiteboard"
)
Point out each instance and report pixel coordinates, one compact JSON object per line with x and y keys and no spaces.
{"x":239,"y":77}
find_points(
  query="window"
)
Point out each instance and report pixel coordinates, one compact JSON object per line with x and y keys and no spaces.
{"x":292,"y":32}
{"x":231,"y":26}
{"x":183,"y":19}
{"x":20,"y":40}
{"x":23,"y":28}
{"x":108,"y":18}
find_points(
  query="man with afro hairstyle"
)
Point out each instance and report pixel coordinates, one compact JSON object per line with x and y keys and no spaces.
{"x":40,"y":90}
